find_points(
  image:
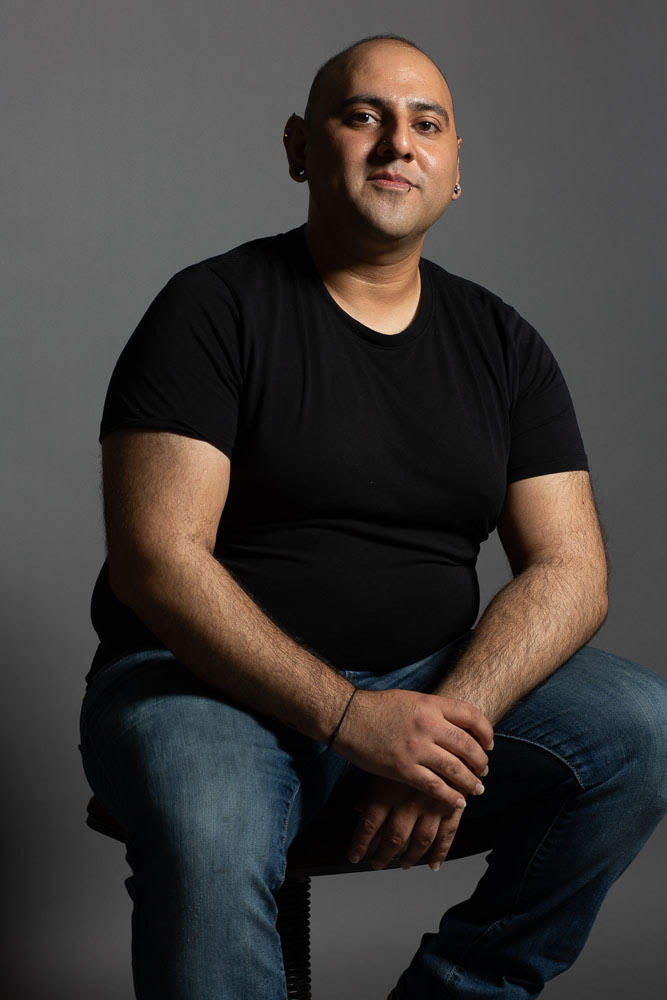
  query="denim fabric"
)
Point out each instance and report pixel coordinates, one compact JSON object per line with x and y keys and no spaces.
{"x":213,"y":794}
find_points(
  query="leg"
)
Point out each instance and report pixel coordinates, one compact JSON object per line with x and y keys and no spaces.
{"x":577,"y":783}
{"x":211,"y":796}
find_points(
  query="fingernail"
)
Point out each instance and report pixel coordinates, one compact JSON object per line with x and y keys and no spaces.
{"x":436,"y":866}
{"x":460,"y":803}
{"x":479,"y":788}
{"x":485,"y":772}
{"x":354,"y":858}
{"x":490,"y":747}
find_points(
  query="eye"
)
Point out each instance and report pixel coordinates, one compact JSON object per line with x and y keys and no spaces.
{"x":427,"y":126}
{"x":361,"y":118}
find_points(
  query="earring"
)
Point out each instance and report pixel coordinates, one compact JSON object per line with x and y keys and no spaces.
{"x":299,"y":171}
{"x":457,"y":189}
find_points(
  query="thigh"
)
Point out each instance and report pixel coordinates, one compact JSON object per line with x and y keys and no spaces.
{"x":180,"y":765}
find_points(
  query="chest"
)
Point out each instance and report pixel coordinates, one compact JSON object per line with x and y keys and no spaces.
{"x":335,"y":427}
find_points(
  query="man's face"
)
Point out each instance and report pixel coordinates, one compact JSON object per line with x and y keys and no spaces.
{"x":382,"y":150}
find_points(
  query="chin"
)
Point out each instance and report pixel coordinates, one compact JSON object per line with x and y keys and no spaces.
{"x":393,"y":231}
{"x":396,"y":225}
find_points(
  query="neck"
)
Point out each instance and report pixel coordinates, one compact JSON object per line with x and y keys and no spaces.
{"x":372,"y":281}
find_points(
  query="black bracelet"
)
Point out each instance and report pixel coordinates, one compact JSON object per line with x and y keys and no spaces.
{"x":335,"y":732}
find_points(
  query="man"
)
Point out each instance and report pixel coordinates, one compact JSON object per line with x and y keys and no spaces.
{"x":304,"y":443}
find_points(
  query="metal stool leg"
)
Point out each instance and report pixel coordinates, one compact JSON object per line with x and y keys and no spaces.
{"x":294,"y":928}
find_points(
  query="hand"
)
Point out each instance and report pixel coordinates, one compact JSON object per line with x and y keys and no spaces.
{"x":397,"y":820}
{"x":427,"y":741}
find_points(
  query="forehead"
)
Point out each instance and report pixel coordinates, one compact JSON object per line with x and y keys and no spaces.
{"x":388,"y":69}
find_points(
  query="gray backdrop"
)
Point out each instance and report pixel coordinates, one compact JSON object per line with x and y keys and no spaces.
{"x":143,"y":136}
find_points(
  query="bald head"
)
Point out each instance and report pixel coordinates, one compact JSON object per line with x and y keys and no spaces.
{"x":335,"y":67}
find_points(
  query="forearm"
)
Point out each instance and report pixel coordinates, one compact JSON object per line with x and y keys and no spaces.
{"x":196,"y":608}
{"x":535,"y":623}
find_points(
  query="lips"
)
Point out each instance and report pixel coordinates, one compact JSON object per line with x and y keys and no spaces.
{"x":396,"y":182}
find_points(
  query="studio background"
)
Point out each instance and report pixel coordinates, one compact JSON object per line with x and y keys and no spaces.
{"x":141,"y":137}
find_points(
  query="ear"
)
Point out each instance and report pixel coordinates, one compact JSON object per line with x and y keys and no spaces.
{"x":294,"y":141}
{"x":459,"y":140}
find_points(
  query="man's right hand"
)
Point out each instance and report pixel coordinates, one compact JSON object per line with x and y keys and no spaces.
{"x":434,"y":743}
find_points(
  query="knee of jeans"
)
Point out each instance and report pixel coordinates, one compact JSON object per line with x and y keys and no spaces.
{"x":636,"y":744}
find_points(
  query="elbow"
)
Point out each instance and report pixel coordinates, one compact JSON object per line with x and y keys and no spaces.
{"x":140,"y":573}
{"x":598,"y":595}
{"x":603,"y":588}
{"x":603,"y":605}
{"x":601,"y":610}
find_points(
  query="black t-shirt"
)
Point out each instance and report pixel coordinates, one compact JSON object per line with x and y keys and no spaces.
{"x":366,"y":468}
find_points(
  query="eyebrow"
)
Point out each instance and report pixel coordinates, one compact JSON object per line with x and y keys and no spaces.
{"x":379,"y":102}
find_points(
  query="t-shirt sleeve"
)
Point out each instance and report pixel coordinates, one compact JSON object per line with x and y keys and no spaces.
{"x":545,"y":435}
{"x":181,"y":368}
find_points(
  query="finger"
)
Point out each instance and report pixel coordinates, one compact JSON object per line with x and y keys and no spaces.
{"x":423,"y":835}
{"x":394,"y":838}
{"x":443,"y":839}
{"x":368,"y":825}
{"x":425,"y":780}
{"x":454,"y":771}
{"x":467,"y":716}
{"x":460,"y":743}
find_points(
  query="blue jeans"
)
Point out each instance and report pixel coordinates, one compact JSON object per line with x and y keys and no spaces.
{"x":212,"y":795}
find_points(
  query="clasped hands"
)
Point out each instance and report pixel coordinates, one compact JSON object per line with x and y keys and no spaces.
{"x":399,"y":821}
{"x":414,"y":801}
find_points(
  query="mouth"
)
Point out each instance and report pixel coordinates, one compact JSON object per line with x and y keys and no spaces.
{"x":391,"y":182}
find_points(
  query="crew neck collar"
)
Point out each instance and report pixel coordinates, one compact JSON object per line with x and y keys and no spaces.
{"x":385,"y":341}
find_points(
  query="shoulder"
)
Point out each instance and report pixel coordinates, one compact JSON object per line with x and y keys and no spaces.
{"x":479,"y":309}
{"x":467,"y":293}
{"x":222,"y":286}
{"x":238,"y":271}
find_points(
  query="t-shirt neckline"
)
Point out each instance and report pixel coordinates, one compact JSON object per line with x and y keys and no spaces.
{"x":385,"y":341}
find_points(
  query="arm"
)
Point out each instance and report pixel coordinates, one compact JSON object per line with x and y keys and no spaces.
{"x":555,"y":603}
{"x":163,"y":495}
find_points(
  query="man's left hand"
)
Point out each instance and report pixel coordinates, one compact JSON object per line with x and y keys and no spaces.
{"x":397,"y":819}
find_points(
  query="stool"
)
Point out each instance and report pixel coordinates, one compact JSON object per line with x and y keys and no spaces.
{"x":319,"y":849}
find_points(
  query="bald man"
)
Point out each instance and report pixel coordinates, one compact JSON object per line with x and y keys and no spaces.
{"x":305,"y":442}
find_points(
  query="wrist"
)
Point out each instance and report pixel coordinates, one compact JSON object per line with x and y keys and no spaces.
{"x":336,"y":731}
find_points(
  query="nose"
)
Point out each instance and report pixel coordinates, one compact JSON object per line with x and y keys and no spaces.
{"x":396,"y":141}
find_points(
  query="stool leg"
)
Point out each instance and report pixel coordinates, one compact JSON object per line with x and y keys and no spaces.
{"x":293,"y":924}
